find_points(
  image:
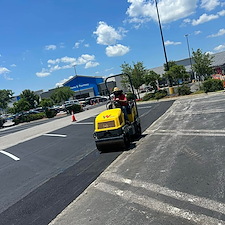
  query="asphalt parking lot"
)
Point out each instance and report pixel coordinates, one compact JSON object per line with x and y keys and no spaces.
{"x":175,"y":175}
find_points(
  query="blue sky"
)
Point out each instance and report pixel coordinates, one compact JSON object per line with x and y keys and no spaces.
{"x":41,"y":41}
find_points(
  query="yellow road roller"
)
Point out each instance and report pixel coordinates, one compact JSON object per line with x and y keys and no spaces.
{"x":113,"y":129}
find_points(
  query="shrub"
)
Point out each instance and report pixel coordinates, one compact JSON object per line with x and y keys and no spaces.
{"x":184,"y":90}
{"x":131,"y":96}
{"x":160,"y":94}
{"x":75,"y":108}
{"x":50,"y":113}
{"x":157,"y":95}
{"x":2,"y":121}
{"x":148,"y":96}
{"x":212,"y":85}
{"x":28,"y":117}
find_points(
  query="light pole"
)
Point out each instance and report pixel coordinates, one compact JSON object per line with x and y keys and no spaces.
{"x":171,"y":90}
{"x":192,"y":73}
{"x":74,"y":66}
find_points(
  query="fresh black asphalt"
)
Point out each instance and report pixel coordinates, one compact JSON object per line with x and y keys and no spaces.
{"x":53,"y":171}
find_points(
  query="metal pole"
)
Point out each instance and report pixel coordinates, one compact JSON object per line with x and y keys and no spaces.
{"x":77,"y":79}
{"x":192,"y":73}
{"x":164,"y":48}
{"x":160,"y":28}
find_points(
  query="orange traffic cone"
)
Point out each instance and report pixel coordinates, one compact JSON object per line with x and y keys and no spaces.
{"x":73,"y":117}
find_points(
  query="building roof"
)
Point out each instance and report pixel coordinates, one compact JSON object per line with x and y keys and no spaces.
{"x":218,"y":60}
{"x":80,"y":76}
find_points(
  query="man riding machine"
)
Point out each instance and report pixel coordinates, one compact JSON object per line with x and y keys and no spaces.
{"x":119,"y":124}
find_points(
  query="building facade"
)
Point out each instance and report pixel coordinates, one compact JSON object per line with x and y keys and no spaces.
{"x":84,"y":86}
{"x":218,"y":64}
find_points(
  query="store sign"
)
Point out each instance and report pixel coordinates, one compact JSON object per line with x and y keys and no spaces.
{"x":80,"y":86}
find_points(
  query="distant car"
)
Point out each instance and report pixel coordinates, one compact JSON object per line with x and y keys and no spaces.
{"x":82,"y":102}
{"x":72,"y":102}
{"x":95,"y":99}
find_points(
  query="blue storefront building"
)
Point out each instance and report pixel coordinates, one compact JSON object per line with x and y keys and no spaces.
{"x":84,"y":86}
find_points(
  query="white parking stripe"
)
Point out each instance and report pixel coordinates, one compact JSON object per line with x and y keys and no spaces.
{"x":157,"y":205}
{"x":210,"y":133}
{"x":56,"y":135}
{"x":193,"y":199}
{"x":144,"y":107}
{"x":10,"y":155}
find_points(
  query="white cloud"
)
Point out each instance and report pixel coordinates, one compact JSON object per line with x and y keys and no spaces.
{"x":85,"y":58}
{"x":43,"y":73}
{"x":197,"y":32}
{"x":13,"y":65}
{"x":91,"y":64}
{"x":4,"y":70}
{"x":50,"y":47}
{"x":169,"y":10}
{"x":221,"y":13}
{"x":187,"y":20}
{"x":219,"y":48}
{"x":172,"y":43}
{"x":137,"y":21}
{"x":209,"y":4}
{"x":117,"y":50}
{"x":67,"y":63}
{"x":204,"y":18}
{"x":60,"y":83}
{"x":78,"y":43}
{"x":219,"y":33}
{"x":106,"y":70}
{"x":107,"y":35}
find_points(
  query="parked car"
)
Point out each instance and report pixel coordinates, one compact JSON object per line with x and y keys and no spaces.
{"x":95,"y":99}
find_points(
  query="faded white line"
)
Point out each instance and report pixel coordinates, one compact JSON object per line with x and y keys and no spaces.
{"x":10,"y":155}
{"x":157,"y":205}
{"x":56,"y":135}
{"x":198,"y":201}
{"x":144,"y":107}
{"x":210,"y":133}
{"x":189,"y":112}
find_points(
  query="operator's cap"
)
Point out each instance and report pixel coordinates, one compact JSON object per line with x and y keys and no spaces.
{"x":116,"y":89}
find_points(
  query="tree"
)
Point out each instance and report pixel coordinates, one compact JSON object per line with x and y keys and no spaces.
{"x":21,"y":105}
{"x":168,"y":76}
{"x":151,"y":78}
{"x":61,"y":94}
{"x":202,"y":63}
{"x":46,"y":102}
{"x":170,"y":64}
{"x":176,"y":72}
{"x":5,"y":97}
{"x":30,"y":97}
{"x":136,"y":73}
